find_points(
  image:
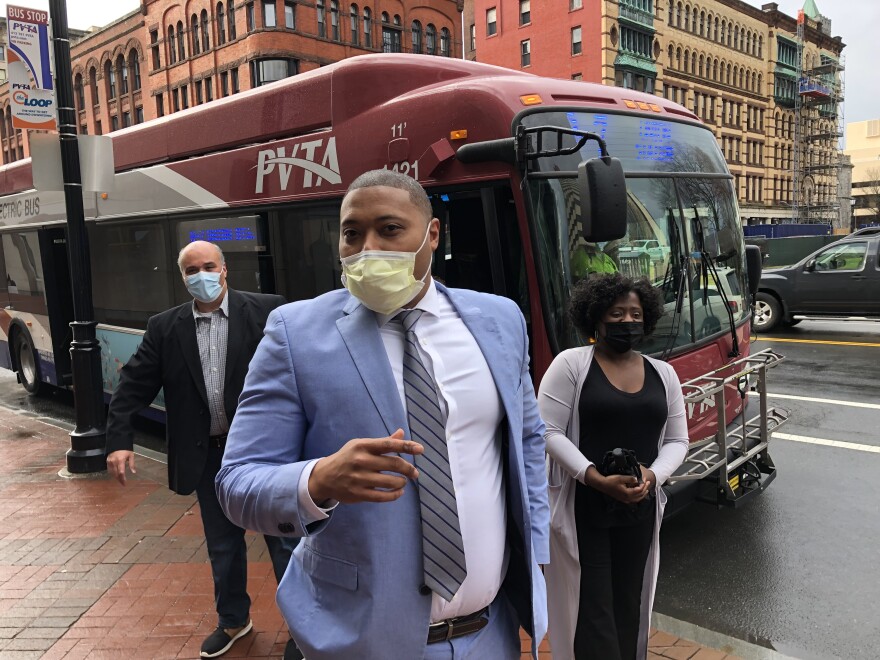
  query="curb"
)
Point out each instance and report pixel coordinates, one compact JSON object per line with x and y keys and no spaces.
{"x":714,"y":640}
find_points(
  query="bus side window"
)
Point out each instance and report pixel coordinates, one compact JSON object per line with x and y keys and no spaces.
{"x":24,"y":272}
{"x":133,"y":272}
{"x":306,"y":240}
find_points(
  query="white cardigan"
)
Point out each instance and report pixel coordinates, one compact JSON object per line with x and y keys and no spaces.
{"x":558,"y":399}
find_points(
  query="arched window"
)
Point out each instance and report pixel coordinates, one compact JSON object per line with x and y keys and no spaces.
{"x":742,"y":84}
{"x":417,"y":37}
{"x":694,"y":64}
{"x":109,"y":80}
{"x":727,"y":79}
{"x":221,"y":25}
{"x":736,"y":37}
{"x":760,"y":45}
{"x":230,"y":20}
{"x":671,"y":18}
{"x":397,"y":20}
{"x":93,"y":85}
{"x":702,"y":72}
{"x":715,"y":70}
{"x":3,"y":127}
{"x":702,"y":23}
{"x":122,"y":74}
{"x":723,"y":32}
{"x":445,"y":40}
{"x":134,"y":69}
{"x":206,"y":41}
{"x":172,"y":48}
{"x":354,"y":16}
{"x":715,"y":32}
{"x":678,"y":15}
{"x":368,"y":28}
{"x":759,"y":84}
{"x":678,"y":59}
{"x":385,"y":18}
{"x":431,"y":40}
{"x":687,"y":19}
{"x":79,"y":93}
{"x":687,"y":61}
{"x":181,"y":42}
{"x":194,"y":33}
{"x":671,"y":57}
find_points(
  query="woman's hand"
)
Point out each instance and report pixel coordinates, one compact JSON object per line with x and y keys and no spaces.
{"x":649,"y":477}
{"x":621,"y":488}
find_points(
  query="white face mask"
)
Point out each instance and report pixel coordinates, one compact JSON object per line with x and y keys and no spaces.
{"x":383,"y":281}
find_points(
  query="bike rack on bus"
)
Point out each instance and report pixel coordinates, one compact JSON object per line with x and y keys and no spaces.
{"x":737,"y":455}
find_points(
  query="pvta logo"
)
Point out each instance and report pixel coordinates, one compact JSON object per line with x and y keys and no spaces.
{"x":21,"y":97}
{"x":318,"y":163}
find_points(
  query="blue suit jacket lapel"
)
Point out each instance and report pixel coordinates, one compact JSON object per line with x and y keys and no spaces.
{"x":360,"y":332}
{"x":498,"y":354}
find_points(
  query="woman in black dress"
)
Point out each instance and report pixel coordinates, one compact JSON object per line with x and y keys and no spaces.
{"x":604,"y":526}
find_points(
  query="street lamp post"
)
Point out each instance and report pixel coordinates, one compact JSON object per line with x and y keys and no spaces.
{"x":87,"y":440}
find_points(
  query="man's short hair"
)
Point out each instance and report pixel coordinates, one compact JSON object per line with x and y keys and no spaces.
{"x":391,"y":179}
{"x":180,"y":255}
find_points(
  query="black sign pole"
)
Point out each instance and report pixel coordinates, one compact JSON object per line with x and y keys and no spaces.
{"x":86,"y":453}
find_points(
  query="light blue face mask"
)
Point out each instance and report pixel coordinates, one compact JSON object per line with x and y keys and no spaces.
{"x":204,"y":286}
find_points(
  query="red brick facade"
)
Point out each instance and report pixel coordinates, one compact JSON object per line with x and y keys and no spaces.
{"x":137,"y":68}
{"x":552,"y":38}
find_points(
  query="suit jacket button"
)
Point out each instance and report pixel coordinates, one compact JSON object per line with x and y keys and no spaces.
{"x":286,"y":528}
{"x":425,"y":590}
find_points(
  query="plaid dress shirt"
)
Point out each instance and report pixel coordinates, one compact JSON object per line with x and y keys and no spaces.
{"x":212,"y":333}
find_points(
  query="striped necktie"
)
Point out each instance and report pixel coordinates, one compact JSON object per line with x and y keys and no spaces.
{"x":442,"y":548}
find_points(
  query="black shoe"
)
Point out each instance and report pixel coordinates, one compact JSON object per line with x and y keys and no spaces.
{"x":291,"y":652}
{"x":219,"y":641}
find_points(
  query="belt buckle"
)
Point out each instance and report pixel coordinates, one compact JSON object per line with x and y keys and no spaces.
{"x":450,"y":624}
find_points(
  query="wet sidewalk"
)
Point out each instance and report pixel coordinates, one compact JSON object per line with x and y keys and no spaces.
{"x":89,"y":569}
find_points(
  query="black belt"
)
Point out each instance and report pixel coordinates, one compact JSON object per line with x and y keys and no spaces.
{"x":458,"y":627}
{"x":217,"y":441}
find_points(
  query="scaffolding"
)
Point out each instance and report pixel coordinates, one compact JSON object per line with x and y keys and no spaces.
{"x":817,"y":154}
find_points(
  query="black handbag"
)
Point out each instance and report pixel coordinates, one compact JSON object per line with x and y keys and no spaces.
{"x":626,"y":463}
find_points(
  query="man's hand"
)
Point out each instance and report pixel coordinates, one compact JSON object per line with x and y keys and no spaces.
{"x":359,"y":471}
{"x":116,"y":463}
{"x":621,"y":488}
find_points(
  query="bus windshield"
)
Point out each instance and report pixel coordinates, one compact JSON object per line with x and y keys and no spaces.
{"x":683,"y":230}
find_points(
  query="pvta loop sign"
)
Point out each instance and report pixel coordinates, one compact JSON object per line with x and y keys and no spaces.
{"x":30,"y":69}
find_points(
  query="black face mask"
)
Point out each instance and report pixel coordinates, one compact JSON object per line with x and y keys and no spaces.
{"x":624,"y":336}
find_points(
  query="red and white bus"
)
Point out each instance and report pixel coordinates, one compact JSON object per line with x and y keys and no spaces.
{"x":262,"y":174}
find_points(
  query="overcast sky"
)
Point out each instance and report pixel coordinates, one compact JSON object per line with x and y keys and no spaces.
{"x":856,"y":21}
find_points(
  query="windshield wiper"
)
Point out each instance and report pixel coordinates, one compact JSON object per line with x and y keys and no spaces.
{"x":674,"y":280}
{"x":707,"y":267}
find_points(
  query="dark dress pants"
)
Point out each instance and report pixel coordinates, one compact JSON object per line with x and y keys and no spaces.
{"x":612,"y":567}
{"x":227,"y":551}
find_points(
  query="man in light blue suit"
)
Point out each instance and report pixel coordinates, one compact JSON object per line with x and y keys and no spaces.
{"x":394,"y":426}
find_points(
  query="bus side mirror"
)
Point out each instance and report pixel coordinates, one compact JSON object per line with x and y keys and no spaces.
{"x":602,"y":188}
{"x":754,"y":266}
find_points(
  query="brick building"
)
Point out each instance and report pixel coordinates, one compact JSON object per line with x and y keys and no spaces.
{"x":732,"y":64}
{"x":173,"y":54}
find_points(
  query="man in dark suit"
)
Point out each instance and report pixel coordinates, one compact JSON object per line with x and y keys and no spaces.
{"x":199,"y":353}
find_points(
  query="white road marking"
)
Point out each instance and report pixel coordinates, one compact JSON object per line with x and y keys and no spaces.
{"x":838,"y":402}
{"x":827,"y":443}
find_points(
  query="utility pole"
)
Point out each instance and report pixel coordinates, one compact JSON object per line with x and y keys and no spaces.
{"x":87,"y":440}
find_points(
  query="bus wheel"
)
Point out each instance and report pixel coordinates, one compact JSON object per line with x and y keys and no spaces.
{"x":768,"y":312}
{"x":26,"y":360}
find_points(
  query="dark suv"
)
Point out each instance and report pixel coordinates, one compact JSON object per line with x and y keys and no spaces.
{"x":840,"y":280}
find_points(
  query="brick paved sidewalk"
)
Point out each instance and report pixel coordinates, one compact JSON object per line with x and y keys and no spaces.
{"x":89,"y":569}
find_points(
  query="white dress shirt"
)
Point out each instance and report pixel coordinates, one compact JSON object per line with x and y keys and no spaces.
{"x":474,"y":411}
